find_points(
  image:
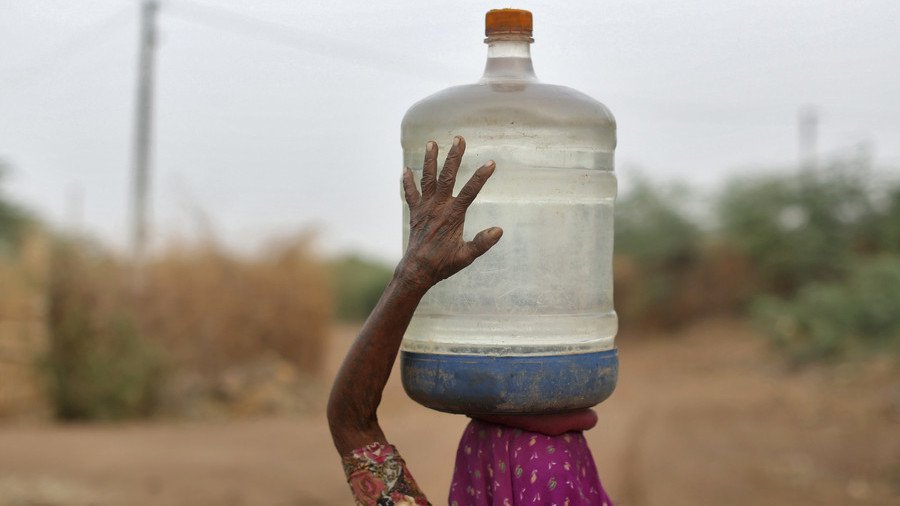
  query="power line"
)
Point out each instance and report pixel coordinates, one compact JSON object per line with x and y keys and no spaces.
{"x":314,"y":43}
{"x":65,"y":52}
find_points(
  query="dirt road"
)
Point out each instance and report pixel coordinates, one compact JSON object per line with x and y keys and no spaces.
{"x":706,"y":417}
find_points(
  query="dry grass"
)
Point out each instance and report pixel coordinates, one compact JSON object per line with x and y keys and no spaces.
{"x":213,"y":310}
{"x":670,"y":296}
{"x":205,"y":326}
{"x":22,"y":331}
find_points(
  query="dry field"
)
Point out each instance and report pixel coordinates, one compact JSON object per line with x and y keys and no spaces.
{"x":706,"y":417}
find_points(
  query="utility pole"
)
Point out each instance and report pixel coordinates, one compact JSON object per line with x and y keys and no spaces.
{"x":143,"y":126}
{"x":808,"y":133}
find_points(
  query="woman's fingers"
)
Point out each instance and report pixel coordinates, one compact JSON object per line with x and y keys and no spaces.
{"x":410,"y":192}
{"x":451,"y":167}
{"x":429,"y":169}
{"x":482,"y":242}
{"x":472,"y":187}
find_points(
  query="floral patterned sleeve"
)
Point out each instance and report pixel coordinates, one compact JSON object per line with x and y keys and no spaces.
{"x":378,"y":477}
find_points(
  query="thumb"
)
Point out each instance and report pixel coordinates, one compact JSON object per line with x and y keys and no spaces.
{"x":482,"y":242}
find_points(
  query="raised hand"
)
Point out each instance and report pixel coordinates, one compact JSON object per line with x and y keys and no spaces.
{"x":436,"y":249}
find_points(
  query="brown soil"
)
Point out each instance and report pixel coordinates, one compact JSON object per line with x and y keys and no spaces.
{"x":706,"y":416}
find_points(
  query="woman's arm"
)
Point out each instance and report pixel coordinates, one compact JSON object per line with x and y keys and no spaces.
{"x":436,"y":251}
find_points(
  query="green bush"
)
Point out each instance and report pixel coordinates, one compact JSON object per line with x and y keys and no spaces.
{"x":98,"y":365}
{"x":653,"y":229}
{"x":357,"y":285}
{"x":829,"y":319}
{"x":13,"y":221}
{"x":795,"y":229}
{"x":657,"y":246}
{"x":880,"y":229}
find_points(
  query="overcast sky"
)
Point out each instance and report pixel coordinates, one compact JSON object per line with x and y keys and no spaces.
{"x":274,"y":115}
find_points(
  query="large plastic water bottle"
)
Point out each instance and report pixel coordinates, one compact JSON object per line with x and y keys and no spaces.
{"x":529,"y":327}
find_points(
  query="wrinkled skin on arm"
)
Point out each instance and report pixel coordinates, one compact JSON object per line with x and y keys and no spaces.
{"x":436,"y":251}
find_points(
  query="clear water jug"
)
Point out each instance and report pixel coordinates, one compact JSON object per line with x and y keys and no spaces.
{"x":529,"y":327}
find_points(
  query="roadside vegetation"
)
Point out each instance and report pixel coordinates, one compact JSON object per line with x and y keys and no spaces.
{"x":813,"y":258}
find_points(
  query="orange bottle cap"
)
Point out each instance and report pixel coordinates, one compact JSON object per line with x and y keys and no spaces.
{"x":507,"y":21}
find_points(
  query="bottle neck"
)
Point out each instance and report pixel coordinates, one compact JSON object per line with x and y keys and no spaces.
{"x":509,"y":59}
